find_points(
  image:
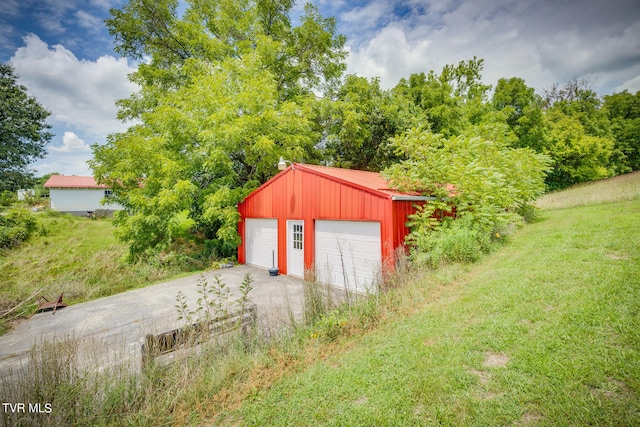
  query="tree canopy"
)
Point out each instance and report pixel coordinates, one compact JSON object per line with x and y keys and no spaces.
{"x":362,"y":119}
{"x":623,"y":111}
{"x":24,"y":132}
{"x":484,"y":183}
{"x":227,"y":88}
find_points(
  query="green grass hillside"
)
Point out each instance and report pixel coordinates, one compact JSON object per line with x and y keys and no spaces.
{"x":545,"y":331}
{"x":616,"y":189}
{"x":77,"y":256}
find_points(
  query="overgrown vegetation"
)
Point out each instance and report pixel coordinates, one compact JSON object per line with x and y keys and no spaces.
{"x":542,"y":332}
{"x":214,"y":300}
{"x":77,"y":386}
{"x":220,"y":103}
{"x":83,"y":259}
{"x":16,"y":226}
{"x":481,"y":190}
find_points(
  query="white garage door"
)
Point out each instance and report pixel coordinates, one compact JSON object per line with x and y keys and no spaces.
{"x":261,"y":241}
{"x":348,"y":254}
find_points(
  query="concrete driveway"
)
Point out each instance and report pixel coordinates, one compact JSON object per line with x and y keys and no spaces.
{"x":115,"y":326}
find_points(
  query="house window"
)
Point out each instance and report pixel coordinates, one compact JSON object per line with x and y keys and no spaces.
{"x":108,"y":193}
{"x":297,"y":236}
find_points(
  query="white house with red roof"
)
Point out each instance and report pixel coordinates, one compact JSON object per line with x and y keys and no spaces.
{"x":78,"y":195}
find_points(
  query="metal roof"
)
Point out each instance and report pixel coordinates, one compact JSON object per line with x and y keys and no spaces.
{"x":62,"y":181}
{"x":369,"y":180}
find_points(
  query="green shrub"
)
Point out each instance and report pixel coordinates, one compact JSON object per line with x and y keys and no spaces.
{"x":16,"y":226}
{"x":7,"y":198}
{"x":330,"y":326}
{"x":454,"y":241}
{"x":484,"y":183}
{"x":528,"y":212}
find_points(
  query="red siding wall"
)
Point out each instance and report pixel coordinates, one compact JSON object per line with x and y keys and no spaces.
{"x":307,"y":195}
{"x":401,"y":210}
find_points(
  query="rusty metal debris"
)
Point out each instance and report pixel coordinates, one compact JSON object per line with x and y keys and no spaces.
{"x":53,"y":305}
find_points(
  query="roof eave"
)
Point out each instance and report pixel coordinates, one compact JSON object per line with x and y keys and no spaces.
{"x":409,"y":198}
{"x":61,"y":187}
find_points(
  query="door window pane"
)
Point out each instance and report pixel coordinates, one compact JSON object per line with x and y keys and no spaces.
{"x":297,"y":236}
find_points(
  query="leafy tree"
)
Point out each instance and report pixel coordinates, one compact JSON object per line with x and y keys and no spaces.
{"x":578,"y":100}
{"x":487,"y":183}
{"x":23,"y":131}
{"x":442,"y":110}
{"x":228,"y":88}
{"x":576,"y":134}
{"x":523,"y":110}
{"x":363,"y":118}
{"x":302,"y":58}
{"x":577,"y":156}
{"x":451,"y":100}
{"x":623,"y":109}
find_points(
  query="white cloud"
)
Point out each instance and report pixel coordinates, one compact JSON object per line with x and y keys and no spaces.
{"x":51,"y":14}
{"x":390,"y":56}
{"x":369,"y":15}
{"x":11,"y":7}
{"x":71,"y":143}
{"x":542,"y":41}
{"x":70,"y":164}
{"x":78,"y":93}
{"x":88,"y":21}
{"x":70,"y":158}
{"x":106,"y":4}
{"x":631,"y":85}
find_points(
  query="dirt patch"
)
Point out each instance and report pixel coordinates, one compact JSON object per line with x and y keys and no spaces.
{"x":429,"y":342}
{"x":529,"y":419}
{"x":493,"y":360}
{"x":362,"y":401}
{"x":618,"y":257}
{"x":483,"y":377}
{"x":419,"y":410}
{"x":611,"y":389}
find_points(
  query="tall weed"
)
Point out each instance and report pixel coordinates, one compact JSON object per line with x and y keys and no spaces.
{"x":16,"y":226}
{"x":62,"y":390}
{"x":454,"y":241}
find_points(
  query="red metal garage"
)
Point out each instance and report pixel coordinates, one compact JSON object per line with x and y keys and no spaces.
{"x":345,"y":224}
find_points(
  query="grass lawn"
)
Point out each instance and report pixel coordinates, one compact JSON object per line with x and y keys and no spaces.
{"x":545,"y":331}
{"x":618,"y":188}
{"x":77,"y":256}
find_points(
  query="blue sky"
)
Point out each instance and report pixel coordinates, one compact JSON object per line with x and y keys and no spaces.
{"x":63,"y":52}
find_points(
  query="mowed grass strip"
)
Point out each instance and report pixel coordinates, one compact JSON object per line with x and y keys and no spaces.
{"x":545,"y":331}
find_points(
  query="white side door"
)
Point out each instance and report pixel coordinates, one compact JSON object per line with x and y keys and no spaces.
{"x":295,"y":248}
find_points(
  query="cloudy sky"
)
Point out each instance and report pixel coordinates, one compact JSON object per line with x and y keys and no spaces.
{"x":64,"y":54}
